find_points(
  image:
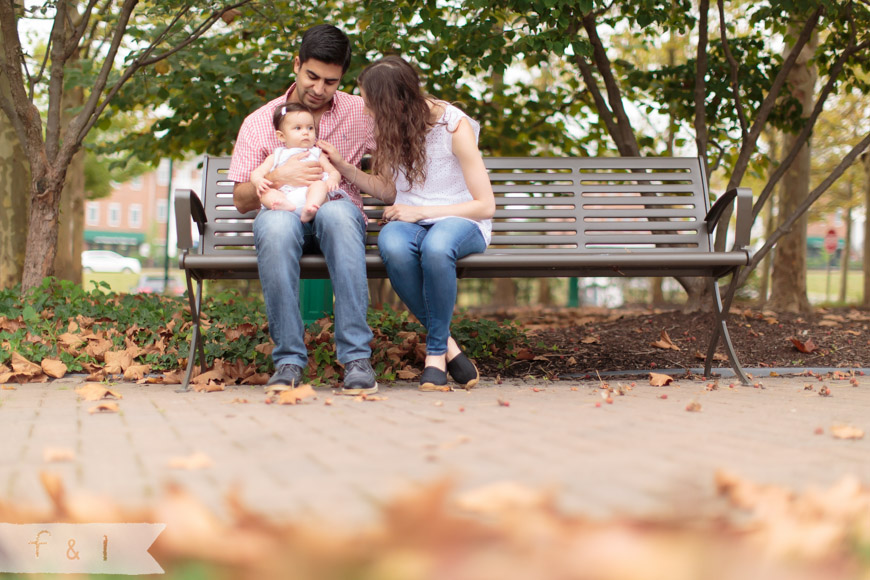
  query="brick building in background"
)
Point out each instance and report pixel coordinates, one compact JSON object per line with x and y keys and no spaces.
{"x":133,"y":219}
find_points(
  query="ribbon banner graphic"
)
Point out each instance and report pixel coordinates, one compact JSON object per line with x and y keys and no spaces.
{"x":78,"y":548}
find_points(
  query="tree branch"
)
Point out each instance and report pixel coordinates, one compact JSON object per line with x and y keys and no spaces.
{"x":90,"y":114}
{"x":701,"y":84}
{"x":72,"y":43}
{"x":786,"y":226}
{"x":625,"y":139}
{"x":808,"y":127}
{"x":747,"y":148}
{"x":734,"y":67}
{"x":22,"y":113}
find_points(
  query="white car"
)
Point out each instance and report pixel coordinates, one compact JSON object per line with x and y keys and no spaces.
{"x":107,"y":261}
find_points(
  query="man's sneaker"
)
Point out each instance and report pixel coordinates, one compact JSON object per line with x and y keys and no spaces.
{"x":290,"y":375}
{"x":463,"y":371}
{"x":359,"y":378}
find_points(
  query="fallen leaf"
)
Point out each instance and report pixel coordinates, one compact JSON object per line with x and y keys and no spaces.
{"x":806,"y":347}
{"x":693,"y":407}
{"x":53,"y":368}
{"x":364,"y":397}
{"x":846,"y":432}
{"x":57,"y":454}
{"x":136,"y":372}
{"x":240,"y":401}
{"x":294,"y":396}
{"x":590,"y":340}
{"x":660,"y":379}
{"x":23,"y":366}
{"x":208,"y":388}
{"x":196,"y":460}
{"x":104,"y":408}
{"x":96,"y":392}
{"x":665,"y":342}
{"x":8,"y":388}
{"x":408,"y":374}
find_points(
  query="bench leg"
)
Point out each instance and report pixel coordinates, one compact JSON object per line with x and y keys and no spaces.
{"x":196,"y":346}
{"x":720,"y":327}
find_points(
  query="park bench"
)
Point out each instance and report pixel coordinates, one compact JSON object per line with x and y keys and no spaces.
{"x":555,"y":217}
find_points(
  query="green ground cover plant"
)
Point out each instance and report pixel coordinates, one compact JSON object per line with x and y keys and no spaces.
{"x":60,"y":320}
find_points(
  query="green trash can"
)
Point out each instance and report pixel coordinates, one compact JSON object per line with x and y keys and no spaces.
{"x":315,"y":300}
{"x":573,"y":293}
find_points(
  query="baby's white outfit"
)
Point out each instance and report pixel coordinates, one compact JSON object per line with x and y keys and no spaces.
{"x":295,"y":195}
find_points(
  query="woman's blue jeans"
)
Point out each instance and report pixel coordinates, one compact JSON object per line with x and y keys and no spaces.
{"x":338,"y":231}
{"x":421,"y":264}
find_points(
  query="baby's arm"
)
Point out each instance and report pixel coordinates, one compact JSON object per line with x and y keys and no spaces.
{"x":258,"y":176}
{"x":334,"y":177}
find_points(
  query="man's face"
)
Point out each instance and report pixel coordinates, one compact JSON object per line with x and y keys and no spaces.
{"x":316,"y":83}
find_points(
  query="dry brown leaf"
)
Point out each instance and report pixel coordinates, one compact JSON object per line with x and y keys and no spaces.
{"x":828,"y":323}
{"x":22,"y":366}
{"x":108,"y":407}
{"x":660,"y":379}
{"x":196,"y":460}
{"x":70,"y":341}
{"x":215,"y":375}
{"x":208,"y":388}
{"x":57,"y":454}
{"x":408,"y":374}
{"x":294,"y":396}
{"x":693,"y":407}
{"x":136,"y":372}
{"x":665,"y":342}
{"x":117,"y":361}
{"x":590,"y":340}
{"x":53,"y":368}
{"x":847,"y":432}
{"x":8,"y":388}
{"x":95,"y":392}
{"x":805,"y":347}
{"x":256,"y":379}
{"x":716,"y":356}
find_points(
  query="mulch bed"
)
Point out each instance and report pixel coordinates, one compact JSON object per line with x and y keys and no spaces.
{"x":572,"y":342}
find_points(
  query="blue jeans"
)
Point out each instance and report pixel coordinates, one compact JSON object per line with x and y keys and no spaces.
{"x":338,"y":231}
{"x":421,"y":264}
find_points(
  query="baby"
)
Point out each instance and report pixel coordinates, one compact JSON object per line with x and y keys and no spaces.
{"x":294,"y":125}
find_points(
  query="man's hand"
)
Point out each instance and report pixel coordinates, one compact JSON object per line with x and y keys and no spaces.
{"x":296,"y":173}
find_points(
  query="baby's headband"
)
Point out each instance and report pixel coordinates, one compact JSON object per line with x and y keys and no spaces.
{"x":284,"y":110}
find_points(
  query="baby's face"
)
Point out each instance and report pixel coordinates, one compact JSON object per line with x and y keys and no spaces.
{"x":297,"y":130}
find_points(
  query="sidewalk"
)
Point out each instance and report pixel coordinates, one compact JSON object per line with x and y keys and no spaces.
{"x":641,"y":454}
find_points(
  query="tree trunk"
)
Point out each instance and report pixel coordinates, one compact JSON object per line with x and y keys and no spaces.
{"x":505,"y":292}
{"x":41,"y":235}
{"x":789,"y":277}
{"x":844,"y":256}
{"x":769,"y":226}
{"x":70,"y":237}
{"x":14,"y":194}
{"x":545,"y":294}
{"x":866,"y":159}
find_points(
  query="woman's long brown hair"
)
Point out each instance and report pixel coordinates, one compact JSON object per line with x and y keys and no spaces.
{"x":401,"y":116}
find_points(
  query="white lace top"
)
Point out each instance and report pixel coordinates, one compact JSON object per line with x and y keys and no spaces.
{"x":445,"y":183}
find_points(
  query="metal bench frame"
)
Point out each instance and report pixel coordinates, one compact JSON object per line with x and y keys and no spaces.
{"x":555,"y":217}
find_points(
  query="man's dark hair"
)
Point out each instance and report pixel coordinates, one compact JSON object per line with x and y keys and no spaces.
{"x":326,"y":43}
{"x":285,"y":109}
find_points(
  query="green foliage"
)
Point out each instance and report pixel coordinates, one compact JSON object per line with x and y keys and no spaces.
{"x":234,"y":326}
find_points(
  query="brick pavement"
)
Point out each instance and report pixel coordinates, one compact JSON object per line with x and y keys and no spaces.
{"x":641,"y":454}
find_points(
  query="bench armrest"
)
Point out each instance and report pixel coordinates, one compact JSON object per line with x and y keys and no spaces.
{"x":743,"y":211}
{"x":187,"y":206}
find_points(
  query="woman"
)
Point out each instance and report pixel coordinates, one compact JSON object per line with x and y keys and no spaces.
{"x":428,"y":165}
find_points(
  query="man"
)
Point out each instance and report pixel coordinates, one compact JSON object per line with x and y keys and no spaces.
{"x":338,"y":228}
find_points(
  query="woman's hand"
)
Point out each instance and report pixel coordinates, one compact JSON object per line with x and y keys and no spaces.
{"x":405,"y":213}
{"x":335,"y":157}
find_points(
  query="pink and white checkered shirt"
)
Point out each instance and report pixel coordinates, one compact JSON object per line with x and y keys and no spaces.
{"x":345,"y":125}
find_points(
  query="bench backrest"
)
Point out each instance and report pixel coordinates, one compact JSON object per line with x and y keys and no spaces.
{"x":547,"y":204}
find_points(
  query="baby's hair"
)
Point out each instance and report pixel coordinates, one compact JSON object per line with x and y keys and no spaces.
{"x":288,"y":107}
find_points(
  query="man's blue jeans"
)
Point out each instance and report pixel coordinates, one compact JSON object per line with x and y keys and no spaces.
{"x":421,"y":264}
{"x":338,"y":231}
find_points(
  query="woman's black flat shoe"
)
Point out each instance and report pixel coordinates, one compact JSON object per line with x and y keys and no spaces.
{"x":463,"y":371}
{"x":433,"y":379}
